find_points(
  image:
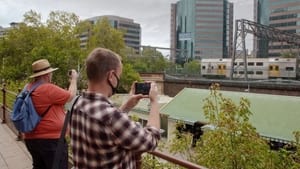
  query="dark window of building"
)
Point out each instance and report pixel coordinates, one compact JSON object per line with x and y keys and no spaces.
{"x":250,"y":63}
{"x":250,"y":72}
{"x":289,"y":68}
{"x":285,"y":24}
{"x":276,"y":68}
{"x":203,"y":67}
{"x":259,"y":72}
{"x":241,"y":63}
{"x":241,"y":72}
{"x":283,"y":17}
{"x":259,"y":63}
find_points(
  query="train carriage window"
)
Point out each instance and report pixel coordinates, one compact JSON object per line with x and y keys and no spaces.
{"x":270,"y":67}
{"x":259,"y":63}
{"x":250,"y":63}
{"x":259,"y":72}
{"x":289,"y":68}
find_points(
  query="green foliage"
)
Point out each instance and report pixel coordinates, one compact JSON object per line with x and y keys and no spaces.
{"x":32,"y":40}
{"x":181,"y":144}
{"x":102,"y":34}
{"x":128,"y":77}
{"x":150,"y":60}
{"x":58,"y":41}
{"x":192,"y":68}
{"x":234,"y":143}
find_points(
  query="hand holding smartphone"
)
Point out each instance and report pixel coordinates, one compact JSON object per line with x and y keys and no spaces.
{"x":142,"y":88}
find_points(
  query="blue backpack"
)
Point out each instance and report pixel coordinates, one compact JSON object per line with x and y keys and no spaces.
{"x":24,"y":115}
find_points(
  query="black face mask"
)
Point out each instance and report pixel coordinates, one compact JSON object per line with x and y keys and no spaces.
{"x":114,"y":89}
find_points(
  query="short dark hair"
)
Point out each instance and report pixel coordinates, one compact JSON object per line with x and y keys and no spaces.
{"x":99,"y":62}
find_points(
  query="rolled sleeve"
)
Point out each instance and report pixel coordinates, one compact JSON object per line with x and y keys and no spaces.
{"x":132,"y":136}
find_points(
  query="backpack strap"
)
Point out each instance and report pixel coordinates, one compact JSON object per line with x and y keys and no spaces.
{"x":33,"y":87}
{"x":59,"y":148}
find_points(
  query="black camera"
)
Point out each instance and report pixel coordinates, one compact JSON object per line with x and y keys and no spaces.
{"x":142,"y":88}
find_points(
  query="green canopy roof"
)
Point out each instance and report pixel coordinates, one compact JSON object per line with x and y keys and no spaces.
{"x":274,"y":116}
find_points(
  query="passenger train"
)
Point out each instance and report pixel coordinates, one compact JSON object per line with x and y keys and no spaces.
{"x":257,"y":68}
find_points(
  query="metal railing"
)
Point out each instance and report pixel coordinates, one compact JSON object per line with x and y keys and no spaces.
{"x":7,"y":97}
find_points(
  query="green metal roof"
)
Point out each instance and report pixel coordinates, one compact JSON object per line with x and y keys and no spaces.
{"x":273,"y":116}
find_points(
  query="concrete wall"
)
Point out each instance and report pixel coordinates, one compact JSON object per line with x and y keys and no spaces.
{"x":173,"y":86}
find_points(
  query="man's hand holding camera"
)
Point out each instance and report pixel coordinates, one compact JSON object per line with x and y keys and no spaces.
{"x":135,"y":96}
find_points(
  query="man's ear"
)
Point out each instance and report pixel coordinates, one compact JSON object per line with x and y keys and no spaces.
{"x":110,"y":75}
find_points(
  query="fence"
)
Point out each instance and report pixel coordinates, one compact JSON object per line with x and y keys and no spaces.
{"x":7,"y":99}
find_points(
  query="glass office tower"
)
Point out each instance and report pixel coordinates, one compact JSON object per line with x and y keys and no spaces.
{"x":201,"y":29}
{"x":281,"y":14}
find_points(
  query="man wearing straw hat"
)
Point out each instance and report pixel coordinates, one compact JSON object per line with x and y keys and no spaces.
{"x":49,"y":101}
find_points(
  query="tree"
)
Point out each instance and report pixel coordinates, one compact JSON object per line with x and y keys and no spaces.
{"x":102,"y":34}
{"x":192,"y":68}
{"x":58,"y":41}
{"x":234,"y":143}
{"x":32,"y":40}
{"x":150,"y":60}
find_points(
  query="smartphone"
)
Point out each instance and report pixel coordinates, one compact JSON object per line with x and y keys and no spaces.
{"x":142,"y":88}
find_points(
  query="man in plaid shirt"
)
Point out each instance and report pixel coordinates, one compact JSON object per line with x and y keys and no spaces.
{"x":102,"y":135}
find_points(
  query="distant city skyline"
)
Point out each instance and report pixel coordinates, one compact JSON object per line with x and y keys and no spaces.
{"x":153,"y":15}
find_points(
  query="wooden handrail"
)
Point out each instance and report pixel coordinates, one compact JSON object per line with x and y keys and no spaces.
{"x":174,"y":160}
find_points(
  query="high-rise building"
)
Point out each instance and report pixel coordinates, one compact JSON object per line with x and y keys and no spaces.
{"x":132,"y":36}
{"x":201,"y":29}
{"x":280,"y":14}
{"x":3,"y":31}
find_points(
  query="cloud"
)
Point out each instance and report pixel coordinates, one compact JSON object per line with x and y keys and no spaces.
{"x":153,"y":15}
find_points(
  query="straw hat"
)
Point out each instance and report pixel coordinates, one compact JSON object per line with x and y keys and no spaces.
{"x":41,"y":67}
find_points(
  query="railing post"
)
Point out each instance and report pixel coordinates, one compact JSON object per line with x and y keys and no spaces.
{"x":20,"y":136}
{"x":138,"y":158}
{"x":4,"y":103}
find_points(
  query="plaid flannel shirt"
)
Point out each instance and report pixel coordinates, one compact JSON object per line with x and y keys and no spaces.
{"x":102,"y":136}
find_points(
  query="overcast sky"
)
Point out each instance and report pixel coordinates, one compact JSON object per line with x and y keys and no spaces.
{"x":153,"y":15}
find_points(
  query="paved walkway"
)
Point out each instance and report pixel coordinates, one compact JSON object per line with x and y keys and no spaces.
{"x":13,"y":154}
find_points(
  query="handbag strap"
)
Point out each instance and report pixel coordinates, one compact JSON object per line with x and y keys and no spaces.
{"x":59,"y":148}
